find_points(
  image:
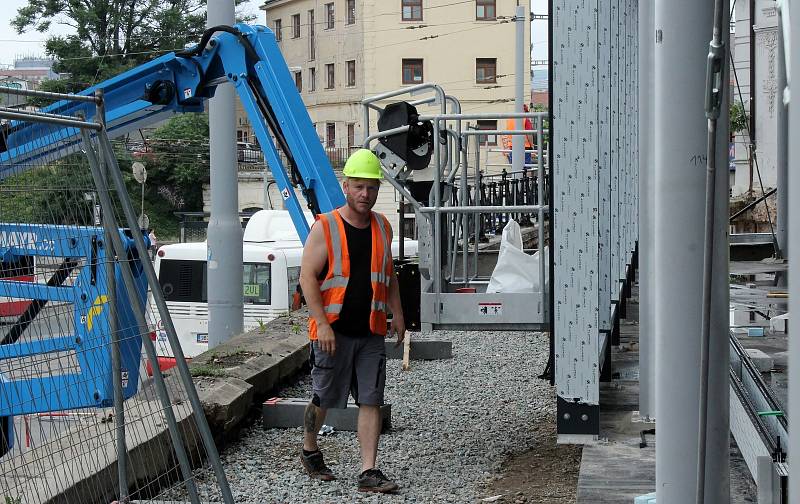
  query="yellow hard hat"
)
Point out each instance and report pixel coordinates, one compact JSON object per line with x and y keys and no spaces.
{"x":363,"y":163}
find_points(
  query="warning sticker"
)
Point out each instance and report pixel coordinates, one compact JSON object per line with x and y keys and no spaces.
{"x":490,"y":309}
{"x":285,"y":193}
{"x":187,"y":93}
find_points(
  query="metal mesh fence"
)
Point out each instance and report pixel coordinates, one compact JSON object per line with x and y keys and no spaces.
{"x":81,"y":417}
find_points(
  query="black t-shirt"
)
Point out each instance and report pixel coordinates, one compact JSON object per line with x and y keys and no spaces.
{"x":354,"y":318}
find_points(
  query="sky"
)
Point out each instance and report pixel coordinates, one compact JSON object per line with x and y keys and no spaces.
{"x":32,"y":43}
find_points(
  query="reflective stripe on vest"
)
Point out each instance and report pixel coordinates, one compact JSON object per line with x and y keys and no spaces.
{"x":334,"y":285}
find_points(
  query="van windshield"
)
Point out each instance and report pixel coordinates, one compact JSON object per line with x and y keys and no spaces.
{"x":186,"y":281}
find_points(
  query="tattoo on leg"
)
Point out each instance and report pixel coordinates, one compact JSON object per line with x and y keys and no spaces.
{"x":310,"y":418}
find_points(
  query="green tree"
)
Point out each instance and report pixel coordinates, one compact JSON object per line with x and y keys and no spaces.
{"x":738,"y":117}
{"x":113,"y":35}
{"x":180,"y":163}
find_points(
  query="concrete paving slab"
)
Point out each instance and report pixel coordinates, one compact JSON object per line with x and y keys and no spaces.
{"x":287,"y":413}
{"x":762,"y":361}
{"x":81,"y":468}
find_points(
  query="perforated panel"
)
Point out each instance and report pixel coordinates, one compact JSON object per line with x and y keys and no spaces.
{"x":595,"y":184}
{"x":576,"y":199}
{"x":604,"y":172}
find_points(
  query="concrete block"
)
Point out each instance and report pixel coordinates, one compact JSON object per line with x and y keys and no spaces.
{"x":762,"y":361}
{"x":226,"y":401}
{"x":421,"y":350}
{"x":287,"y":413}
{"x":779,"y":324}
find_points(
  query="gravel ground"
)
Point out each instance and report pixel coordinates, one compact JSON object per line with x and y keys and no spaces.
{"x":455,"y":423}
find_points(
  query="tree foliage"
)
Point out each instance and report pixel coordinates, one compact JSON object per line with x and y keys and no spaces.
{"x":179,"y":164}
{"x":111,"y":36}
{"x":738,"y":118}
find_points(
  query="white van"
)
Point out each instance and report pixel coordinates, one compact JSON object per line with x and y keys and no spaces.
{"x":272,"y":252}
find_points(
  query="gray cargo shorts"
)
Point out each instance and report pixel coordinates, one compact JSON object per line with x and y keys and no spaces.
{"x":358,"y":367}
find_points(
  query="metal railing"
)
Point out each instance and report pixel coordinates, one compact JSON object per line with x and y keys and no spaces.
{"x":466,"y":204}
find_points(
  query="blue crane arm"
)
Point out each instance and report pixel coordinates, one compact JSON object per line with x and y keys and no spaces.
{"x":245,"y":56}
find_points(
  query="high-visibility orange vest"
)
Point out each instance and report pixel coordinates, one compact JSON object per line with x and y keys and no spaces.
{"x":334,"y":284}
{"x":511,"y":124}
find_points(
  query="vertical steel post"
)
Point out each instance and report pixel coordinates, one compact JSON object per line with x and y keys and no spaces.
{"x":683,"y":30}
{"x":540,"y":213}
{"x":518,"y":141}
{"x":781,"y":161}
{"x":794,"y":259}
{"x":794,"y":254}
{"x":225,"y":302}
{"x":116,"y":358}
{"x":646,"y":213}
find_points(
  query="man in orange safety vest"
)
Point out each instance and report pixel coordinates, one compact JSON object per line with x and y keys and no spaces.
{"x":348,"y":280}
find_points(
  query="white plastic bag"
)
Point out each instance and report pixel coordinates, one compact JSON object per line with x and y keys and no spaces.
{"x":515,"y":270}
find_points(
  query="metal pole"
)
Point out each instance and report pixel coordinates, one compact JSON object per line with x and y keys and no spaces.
{"x":116,"y":358}
{"x":681,"y":49}
{"x":713,"y":102}
{"x":225,"y":301}
{"x":518,"y":142}
{"x":781,"y":161}
{"x":464,"y":220}
{"x":646,"y":214}
{"x":437,"y":224}
{"x":477,"y":202}
{"x":172,"y":337}
{"x":794,"y":253}
{"x":540,"y":181}
{"x":113,"y":239}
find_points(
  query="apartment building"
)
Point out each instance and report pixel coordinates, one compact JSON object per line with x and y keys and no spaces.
{"x":341,"y":51}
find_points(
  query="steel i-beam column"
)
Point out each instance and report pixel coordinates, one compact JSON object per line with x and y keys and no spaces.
{"x":646,"y":214}
{"x":576,"y":203}
{"x":794,"y":252}
{"x":683,"y":29}
{"x":781,"y":158}
{"x":225,"y":303}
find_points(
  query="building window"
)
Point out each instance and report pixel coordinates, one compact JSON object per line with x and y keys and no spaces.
{"x":485,"y":10}
{"x":312,"y":79}
{"x":412,"y":71}
{"x":351,"y":12}
{"x":330,"y":76}
{"x":412,"y":10}
{"x":351,"y":135}
{"x":330,"y":135}
{"x":487,"y":139}
{"x":296,"y":26}
{"x":312,"y":39}
{"x":298,"y":81}
{"x":351,"y":73}
{"x":486,"y":70}
{"x":278,"y":27}
{"x":329,"y":16}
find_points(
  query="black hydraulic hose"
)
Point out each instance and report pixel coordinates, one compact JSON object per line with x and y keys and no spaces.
{"x":24,"y":321}
{"x":199,"y":48}
{"x":263,"y":104}
{"x":715,"y":85}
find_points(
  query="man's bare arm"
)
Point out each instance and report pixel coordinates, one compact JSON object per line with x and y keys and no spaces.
{"x":315,"y":254}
